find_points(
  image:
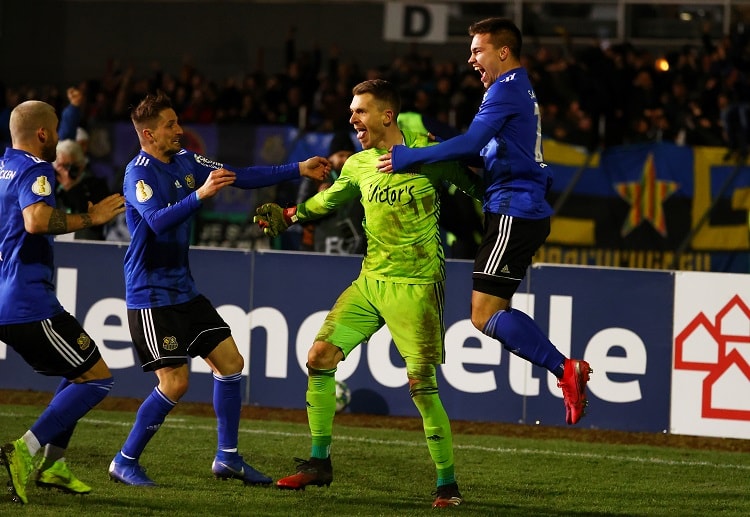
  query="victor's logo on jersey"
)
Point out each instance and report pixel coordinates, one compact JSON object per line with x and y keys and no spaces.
{"x":41,"y":186}
{"x":83,"y":341}
{"x":509,"y":78}
{"x":7,"y":175}
{"x":142,"y":191}
{"x":177,"y":184}
{"x":202,"y":160}
{"x":390,"y":195}
{"x":190,"y":181}
{"x":169,"y":343}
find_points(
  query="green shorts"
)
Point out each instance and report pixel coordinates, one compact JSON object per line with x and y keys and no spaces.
{"x":412,"y":312}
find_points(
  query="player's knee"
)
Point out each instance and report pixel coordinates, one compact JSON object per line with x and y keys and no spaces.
{"x":98,"y":372}
{"x":174,"y":387}
{"x":226,"y":359}
{"x":235,"y":363}
{"x":177,"y":390}
{"x":479,"y":323}
{"x":323,"y":356}
{"x":422,"y":378}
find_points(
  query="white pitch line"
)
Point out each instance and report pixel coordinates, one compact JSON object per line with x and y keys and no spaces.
{"x":500,"y":450}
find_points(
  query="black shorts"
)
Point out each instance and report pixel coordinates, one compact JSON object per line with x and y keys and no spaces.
{"x":57,"y":346}
{"x":166,"y":336}
{"x":508,"y":245}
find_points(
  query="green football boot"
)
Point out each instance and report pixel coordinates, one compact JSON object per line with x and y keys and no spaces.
{"x":58,"y":476}
{"x":20,"y":465}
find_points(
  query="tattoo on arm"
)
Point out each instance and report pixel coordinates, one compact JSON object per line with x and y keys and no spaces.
{"x":58,"y":222}
{"x":86,"y":220}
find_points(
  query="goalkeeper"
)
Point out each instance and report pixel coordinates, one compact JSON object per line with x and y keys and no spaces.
{"x":401,"y":284}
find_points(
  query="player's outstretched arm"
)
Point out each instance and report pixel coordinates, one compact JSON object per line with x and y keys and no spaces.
{"x":106,"y":209}
{"x":461,"y":147}
{"x":273,"y":219}
{"x":40,"y":218}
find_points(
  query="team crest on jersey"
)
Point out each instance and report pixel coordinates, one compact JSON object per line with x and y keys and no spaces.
{"x":41,"y":186}
{"x":142,"y":191}
{"x":169,"y":343}
{"x":202,"y":160}
{"x":83,"y":341}
{"x":190,"y":180}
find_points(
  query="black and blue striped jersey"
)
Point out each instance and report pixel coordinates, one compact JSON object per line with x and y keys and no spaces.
{"x":160,"y":202}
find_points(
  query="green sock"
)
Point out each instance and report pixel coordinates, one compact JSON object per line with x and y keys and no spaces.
{"x":321,"y":409}
{"x":446,"y":476}
{"x":437,"y":430}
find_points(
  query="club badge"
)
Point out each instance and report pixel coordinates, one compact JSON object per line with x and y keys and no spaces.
{"x":169,"y":343}
{"x":83,"y":341}
{"x":190,"y":180}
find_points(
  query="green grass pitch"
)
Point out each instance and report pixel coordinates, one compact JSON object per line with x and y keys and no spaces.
{"x":385,"y":472}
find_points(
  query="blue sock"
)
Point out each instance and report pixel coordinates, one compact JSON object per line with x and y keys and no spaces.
{"x":68,"y":406}
{"x":227,"y":406}
{"x":63,"y":439}
{"x":149,"y":418}
{"x":520,"y":335}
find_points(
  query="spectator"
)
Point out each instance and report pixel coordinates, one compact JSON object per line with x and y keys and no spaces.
{"x":77,"y":187}
{"x":339,"y":232}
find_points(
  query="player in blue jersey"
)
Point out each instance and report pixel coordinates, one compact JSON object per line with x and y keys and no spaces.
{"x":506,"y":132}
{"x":32,"y":321}
{"x":170,"y":321}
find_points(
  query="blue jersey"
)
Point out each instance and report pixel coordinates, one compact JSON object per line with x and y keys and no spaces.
{"x":506,"y":132}
{"x":27,"y":290}
{"x":516,"y":177}
{"x":160,"y":202}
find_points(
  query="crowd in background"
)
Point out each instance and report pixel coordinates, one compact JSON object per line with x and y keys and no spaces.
{"x":595,"y":95}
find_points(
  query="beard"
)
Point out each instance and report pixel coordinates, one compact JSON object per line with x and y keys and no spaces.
{"x":49,"y":152}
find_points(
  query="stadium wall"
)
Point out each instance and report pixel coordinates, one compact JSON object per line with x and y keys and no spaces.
{"x":670,"y":350}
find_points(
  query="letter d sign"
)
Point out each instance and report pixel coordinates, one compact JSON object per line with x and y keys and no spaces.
{"x":417,"y":21}
{"x":426,"y":23}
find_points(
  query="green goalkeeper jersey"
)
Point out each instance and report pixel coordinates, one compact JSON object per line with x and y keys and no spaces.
{"x":401,"y":212}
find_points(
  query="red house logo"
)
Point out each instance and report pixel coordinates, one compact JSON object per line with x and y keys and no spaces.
{"x":722,"y":348}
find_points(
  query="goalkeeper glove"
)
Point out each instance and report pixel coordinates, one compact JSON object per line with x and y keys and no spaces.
{"x":273,"y":219}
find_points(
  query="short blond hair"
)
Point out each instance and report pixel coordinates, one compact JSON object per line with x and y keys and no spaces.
{"x":28,"y":117}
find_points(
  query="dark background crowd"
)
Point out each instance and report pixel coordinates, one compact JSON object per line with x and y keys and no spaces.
{"x":595,"y":95}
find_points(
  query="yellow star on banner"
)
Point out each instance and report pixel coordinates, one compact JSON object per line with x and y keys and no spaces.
{"x":645,"y":198}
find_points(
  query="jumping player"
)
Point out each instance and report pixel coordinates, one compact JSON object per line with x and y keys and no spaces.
{"x":507,"y":133}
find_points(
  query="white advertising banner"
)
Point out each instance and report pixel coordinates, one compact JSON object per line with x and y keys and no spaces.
{"x":711,"y":362}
